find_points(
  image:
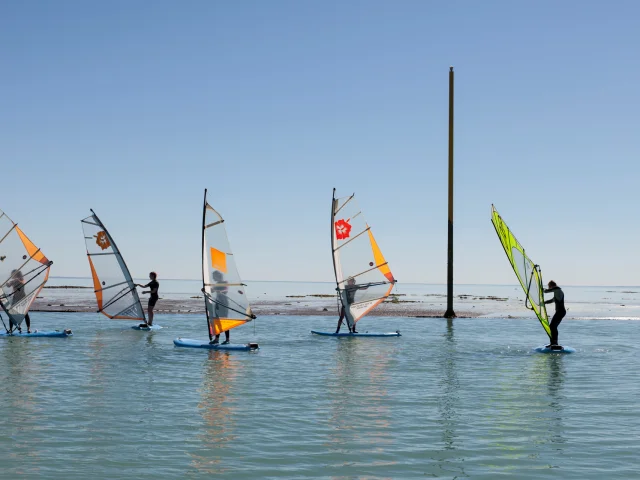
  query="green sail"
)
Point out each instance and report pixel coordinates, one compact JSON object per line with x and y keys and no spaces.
{"x":527,"y":272}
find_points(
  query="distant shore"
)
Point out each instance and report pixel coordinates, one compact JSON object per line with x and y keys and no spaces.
{"x":471,"y":302}
{"x":325,"y":306}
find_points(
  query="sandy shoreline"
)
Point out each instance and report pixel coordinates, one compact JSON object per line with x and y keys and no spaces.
{"x":325,"y":307}
{"x":608,"y":304}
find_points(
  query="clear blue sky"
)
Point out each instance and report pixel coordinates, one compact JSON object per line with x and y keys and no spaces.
{"x":133,"y":108}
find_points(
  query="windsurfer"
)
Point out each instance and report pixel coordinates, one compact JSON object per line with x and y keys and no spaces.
{"x":153,"y":286}
{"x":17,"y":283}
{"x":350,"y":292}
{"x":558,"y":299}
{"x":221,"y":302}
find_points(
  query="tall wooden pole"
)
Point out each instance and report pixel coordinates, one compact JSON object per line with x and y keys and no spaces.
{"x":450,"y":313}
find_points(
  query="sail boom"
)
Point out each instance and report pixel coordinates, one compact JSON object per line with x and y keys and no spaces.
{"x":19,"y":268}
{"x":356,"y":275}
{"x":110,"y":286}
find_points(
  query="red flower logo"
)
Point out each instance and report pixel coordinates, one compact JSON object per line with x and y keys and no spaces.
{"x":343,"y":229}
{"x":102,"y":240}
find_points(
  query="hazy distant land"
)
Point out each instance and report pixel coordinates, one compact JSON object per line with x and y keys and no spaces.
{"x":313,"y":304}
{"x":291,"y":298}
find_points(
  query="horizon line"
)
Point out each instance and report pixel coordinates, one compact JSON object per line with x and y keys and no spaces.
{"x":406,"y":283}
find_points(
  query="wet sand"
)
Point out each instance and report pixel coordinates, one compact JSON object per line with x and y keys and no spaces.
{"x":471,"y":302}
{"x":317,"y":306}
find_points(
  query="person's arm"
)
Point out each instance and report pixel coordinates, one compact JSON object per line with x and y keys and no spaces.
{"x":153,"y":291}
{"x":549,"y":301}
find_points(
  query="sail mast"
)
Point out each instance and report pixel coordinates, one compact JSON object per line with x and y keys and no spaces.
{"x":204,"y":258}
{"x":333,"y":246}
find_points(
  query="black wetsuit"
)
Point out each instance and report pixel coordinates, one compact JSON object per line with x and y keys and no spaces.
{"x":153,"y":298}
{"x":561,"y":311}
{"x":221,"y":300}
{"x":350,"y":291}
{"x":18,"y":295}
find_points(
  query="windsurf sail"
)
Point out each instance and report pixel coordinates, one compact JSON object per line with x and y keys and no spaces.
{"x":529,"y":274}
{"x":24,"y":270}
{"x":363,"y":276}
{"x":112,"y":283}
{"x":225,"y":299}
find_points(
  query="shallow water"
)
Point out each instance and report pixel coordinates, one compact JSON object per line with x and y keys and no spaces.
{"x":457,"y":399}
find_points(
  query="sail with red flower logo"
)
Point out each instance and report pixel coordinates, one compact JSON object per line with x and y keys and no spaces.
{"x":363,"y":276}
{"x":112,"y":283}
{"x":24,"y":270}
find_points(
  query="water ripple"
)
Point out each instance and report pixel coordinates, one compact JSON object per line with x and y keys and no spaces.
{"x":461,"y":399}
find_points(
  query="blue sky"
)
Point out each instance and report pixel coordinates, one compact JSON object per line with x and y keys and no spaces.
{"x":133,"y":108}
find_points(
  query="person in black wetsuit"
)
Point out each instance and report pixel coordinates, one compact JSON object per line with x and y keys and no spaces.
{"x":17,"y":282}
{"x":153,"y":286}
{"x":350,"y":293}
{"x":561,"y":311}
{"x":221,"y":303}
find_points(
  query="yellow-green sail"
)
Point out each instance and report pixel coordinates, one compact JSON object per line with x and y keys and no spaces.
{"x":527,"y":272}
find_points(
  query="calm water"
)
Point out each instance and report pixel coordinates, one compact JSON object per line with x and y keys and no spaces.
{"x":457,"y":400}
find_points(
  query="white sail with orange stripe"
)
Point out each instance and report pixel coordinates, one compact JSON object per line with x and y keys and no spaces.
{"x":112,"y":283}
{"x":363,"y":276}
{"x":24,"y":270}
{"x":225,"y":299}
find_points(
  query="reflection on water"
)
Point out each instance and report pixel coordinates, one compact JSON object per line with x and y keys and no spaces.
{"x":531,"y":401}
{"x":96,"y":379}
{"x":217,"y":409}
{"x":450,"y":387}
{"x":549,"y":372}
{"x":448,"y":404}
{"x":443,"y":401}
{"x":360,"y":410}
{"x":20,"y":380}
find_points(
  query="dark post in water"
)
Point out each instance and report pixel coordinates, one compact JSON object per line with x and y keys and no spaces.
{"x":450,"y":313}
